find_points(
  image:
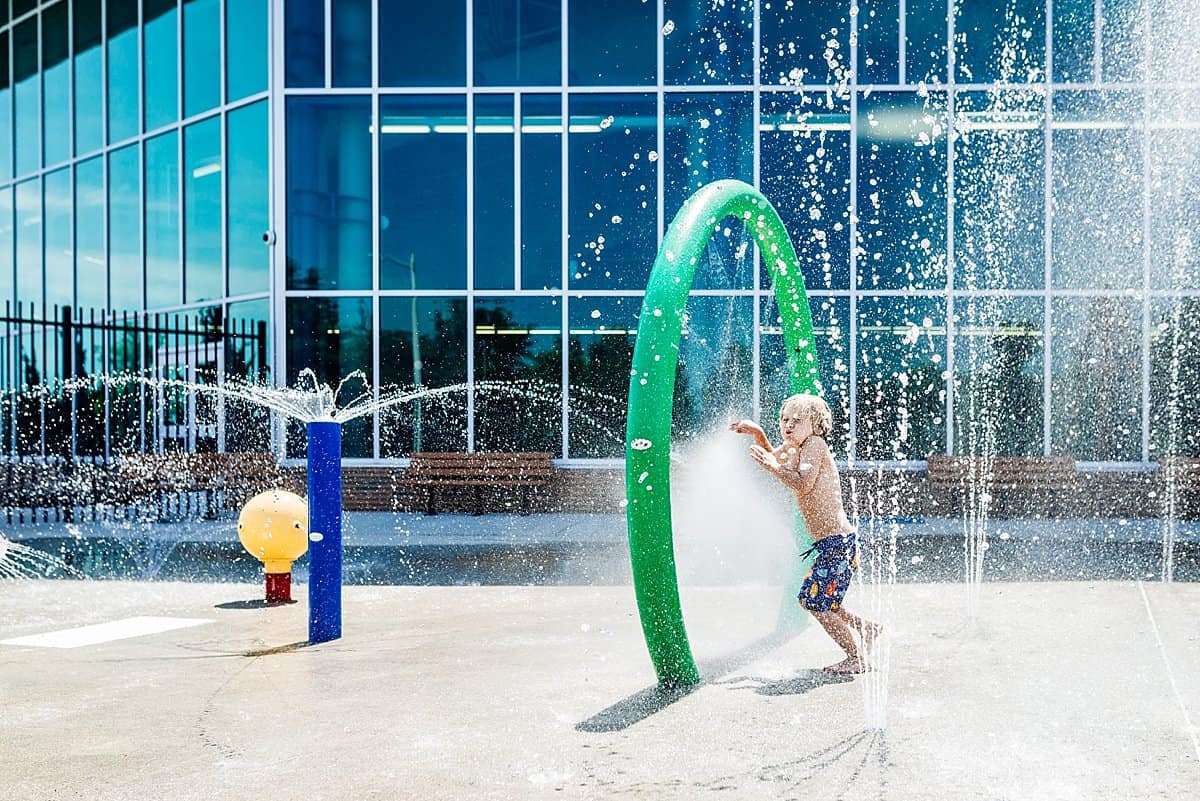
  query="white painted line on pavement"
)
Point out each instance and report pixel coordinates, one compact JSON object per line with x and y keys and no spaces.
{"x":1162,"y":649}
{"x":105,"y":632}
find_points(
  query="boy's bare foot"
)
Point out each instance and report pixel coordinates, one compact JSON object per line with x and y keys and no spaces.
{"x":847,"y":666}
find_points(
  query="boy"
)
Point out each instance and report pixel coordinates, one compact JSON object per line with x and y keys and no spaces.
{"x":804,"y":464}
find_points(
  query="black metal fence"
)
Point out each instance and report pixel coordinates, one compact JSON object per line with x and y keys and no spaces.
{"x":90,"y":385}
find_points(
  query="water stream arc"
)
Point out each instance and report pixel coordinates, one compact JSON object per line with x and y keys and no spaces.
{"x":652,"y":390}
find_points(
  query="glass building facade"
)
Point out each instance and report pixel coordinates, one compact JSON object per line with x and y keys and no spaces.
{"x":994,"y":205}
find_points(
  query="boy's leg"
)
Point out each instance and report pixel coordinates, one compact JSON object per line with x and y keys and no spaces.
{"x":839,"y":630}
{"x":867,"y":630}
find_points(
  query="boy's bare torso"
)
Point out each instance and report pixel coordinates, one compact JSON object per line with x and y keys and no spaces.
{"x":821,"y":504}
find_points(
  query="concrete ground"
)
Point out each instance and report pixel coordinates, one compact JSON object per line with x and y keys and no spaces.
{"x":1071,"y":690}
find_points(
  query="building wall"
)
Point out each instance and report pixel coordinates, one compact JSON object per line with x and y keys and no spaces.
{"x":994,"y":234}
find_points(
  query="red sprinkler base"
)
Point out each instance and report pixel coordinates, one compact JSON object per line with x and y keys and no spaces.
{"x":279,"y":587}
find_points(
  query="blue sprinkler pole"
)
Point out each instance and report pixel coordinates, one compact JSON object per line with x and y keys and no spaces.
{"x":324,"y":531}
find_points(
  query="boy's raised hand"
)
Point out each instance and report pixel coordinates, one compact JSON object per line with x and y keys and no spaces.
{"x":746,"y":427}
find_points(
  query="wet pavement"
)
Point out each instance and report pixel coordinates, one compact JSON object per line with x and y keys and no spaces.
{"x":1056,"y":690}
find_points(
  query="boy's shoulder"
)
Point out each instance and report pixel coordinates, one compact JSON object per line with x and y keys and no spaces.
{"x":814,"y":444}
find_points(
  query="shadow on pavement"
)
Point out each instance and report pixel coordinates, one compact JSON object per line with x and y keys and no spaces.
{"x":645,"y":703}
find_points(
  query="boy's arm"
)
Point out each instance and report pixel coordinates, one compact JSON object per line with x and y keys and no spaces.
{"x":753,"y":429}
{"x":803,"y":477}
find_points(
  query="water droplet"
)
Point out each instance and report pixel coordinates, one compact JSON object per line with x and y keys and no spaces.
{"x":668,"y":27}
{"x":641,"y":444}
{"x":652,"y":155}
{"x":616,"y":218}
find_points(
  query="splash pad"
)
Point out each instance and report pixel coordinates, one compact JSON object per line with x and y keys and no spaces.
{"x":652,"y":390}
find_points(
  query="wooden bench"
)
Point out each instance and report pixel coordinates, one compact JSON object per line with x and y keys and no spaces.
{"x":435,"y":472}
{"x":1007,"y":472}
{"x":204,"y":483}
{"x":1183,"y":471}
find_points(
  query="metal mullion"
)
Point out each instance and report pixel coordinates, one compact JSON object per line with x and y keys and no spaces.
{"x":517,"y":271}
{"x":564,"y":222}
{"x":756,"y":256}
{"x":951,"y":74}
{"x":1097,"y":43}
{"x":278,"y":207}
{"x":376,"y":376}
{"x":328,"y":11}
{"x":902,"y":51}
{"x":1146,"y":255}
{"x":852,"y":443}
{"x":470,"y":229}
{"x":1047,"y":233}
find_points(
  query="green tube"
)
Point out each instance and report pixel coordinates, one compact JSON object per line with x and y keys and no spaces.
{"x":652,"y":390}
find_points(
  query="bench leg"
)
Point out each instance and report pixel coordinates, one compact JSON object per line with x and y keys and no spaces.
{"x":430,"y":506}
{"x":478,"y":501}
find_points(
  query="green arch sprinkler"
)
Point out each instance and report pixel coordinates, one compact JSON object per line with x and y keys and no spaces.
{"x":652,"y":389}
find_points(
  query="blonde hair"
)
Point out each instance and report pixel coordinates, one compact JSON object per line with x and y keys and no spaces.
{"x":817,"y":410}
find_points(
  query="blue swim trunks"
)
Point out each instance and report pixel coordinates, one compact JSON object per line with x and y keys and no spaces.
{"x":825,"y":585}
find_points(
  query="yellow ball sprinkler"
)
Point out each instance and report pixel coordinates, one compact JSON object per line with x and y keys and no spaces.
{"x":273,"y":527}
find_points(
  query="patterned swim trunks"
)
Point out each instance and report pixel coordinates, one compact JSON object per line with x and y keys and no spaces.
{"x":827,"y":582}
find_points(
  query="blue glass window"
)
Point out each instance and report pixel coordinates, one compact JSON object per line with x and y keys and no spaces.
{"x":202,"y":211}
{"x":1174,"y":186}
{"x":518,"y":42}
{"x":423,"y":200}
{"x":1003,"y":42}
{"x":878,"y":41}
{"x":999,"y":402}
{"x":612,"y":43}
{"x":1095,"y":409}
{"x":708,"y":43}
{"x":541,"y":191}
{"x":247,"y":42}
{"x":1097,"y":191}
{"x":831,"y":329}
{"x":304,"y":42}
{"x":7,"y":273}
{"x":332,"y":337}
{"x":426,"y":46}
{"x":925,"y":48}
{"x":26,"y":102}
{"x":329,"y":193}
{"x":902,"y":191}
{"x":805,"y":153}
{"x":89,"y":77}
{"x":20,"y":7}
{"x":1123,"y":47}
{"x":716,"y":356}
{"x":351,"y":43}
{"x":709,"y":137}
{"x":30,"y":283}
{"x":1074,"y":40}
{"x":999,"y":197}
{"x":201,"y":54}
{"x":804,"y":42}
{"x":56,"y":85}
{"x":91,"y":263}
{"x":602,"y":331}
{"x":494,"y":192}
{"x":6,"y":137}
{"x":423,"y":342}
{"x":124,"y":95}
{"x":1174,"y":364}
{"x":124,"y":230}
{"x":901,"y":395}
{"x":248,"y":425}
{"x":248,"y":199}
{"x":160,"y":45}
{"x":518,"y":374}
{"x":613,"y":179}
{"x":164,"y":277}
{"x":60,"y":259}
